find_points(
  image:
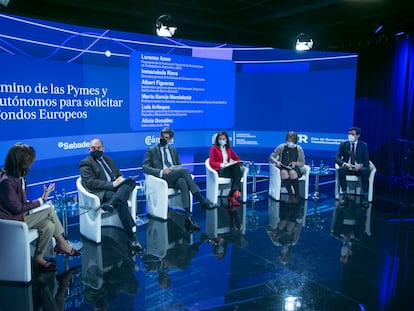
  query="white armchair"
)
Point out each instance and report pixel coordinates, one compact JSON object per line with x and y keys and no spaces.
{"x":275,"y":182}
{"x":15,"y":242}
{"x":354,"y":182}
{"x":220,"y":186}
{"x":90,"y":222}
{"x":159,"y":197}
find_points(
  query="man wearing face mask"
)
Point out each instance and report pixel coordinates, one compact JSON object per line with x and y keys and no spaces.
{"x":163,"y":161}
{"x":353,"y":159}
{"x":290,"y":159}
{"x":102,"y":177}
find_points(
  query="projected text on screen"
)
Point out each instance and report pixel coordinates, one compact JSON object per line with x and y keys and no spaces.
{"x":180,"y":91}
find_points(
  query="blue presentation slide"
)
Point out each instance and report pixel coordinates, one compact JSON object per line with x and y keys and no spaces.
{"x":181,"y":92}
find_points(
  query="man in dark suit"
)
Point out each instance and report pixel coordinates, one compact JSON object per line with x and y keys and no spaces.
{"x":163,"y":161}
{"x":353,"y":159}
{"x":102,"y":177}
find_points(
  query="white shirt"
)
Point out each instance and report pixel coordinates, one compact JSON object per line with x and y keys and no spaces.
{"x":224,"y":153}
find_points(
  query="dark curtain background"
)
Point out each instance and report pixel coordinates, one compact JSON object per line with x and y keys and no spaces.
{"x":384,"y":102}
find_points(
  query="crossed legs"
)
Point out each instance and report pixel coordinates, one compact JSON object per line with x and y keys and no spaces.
{"x":48,"y":225}
{"x":118,"y":199}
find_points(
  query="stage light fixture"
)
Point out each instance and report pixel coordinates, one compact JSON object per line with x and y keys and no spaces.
{"x":164,"y":26}
{"x":303,"y":42}
{"x":399,"y":34}
{"x":378,"y":29}
{"x":4,"y":2}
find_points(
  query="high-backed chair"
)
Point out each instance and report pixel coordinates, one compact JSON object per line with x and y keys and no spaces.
{"x":275,"y":182}
{"x":159,"y":197}
{"x":220,"y":186}
{"x":354,"y":182}
{"x":15,"y":258}
{"x":90,"y":222}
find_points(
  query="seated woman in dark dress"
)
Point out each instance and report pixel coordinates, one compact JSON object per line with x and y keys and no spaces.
{"x":15,"y":206}
{"x":290,"y":159}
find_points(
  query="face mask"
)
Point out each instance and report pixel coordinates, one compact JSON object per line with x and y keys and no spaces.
{"x":96,"y":154}
{"x":351,"y":138}
{"x":163,"y":142}
{"x":222,"y":142}
{"x":290,"y":144}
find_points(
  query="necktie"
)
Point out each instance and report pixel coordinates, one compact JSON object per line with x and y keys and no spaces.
{"x":107,"y":169}
{"x":166,"y":162}
{"x":353,"y":153}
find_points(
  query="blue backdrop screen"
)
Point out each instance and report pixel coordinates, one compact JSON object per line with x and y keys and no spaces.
{"x":62,"y":85}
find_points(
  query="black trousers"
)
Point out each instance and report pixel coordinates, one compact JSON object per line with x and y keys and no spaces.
{"x":118,"y":199}
{"x":363,"y":173}
{"x":235,"y":173}
{"x":181,"y":179}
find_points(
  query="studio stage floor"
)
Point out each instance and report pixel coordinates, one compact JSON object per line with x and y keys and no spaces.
{"x":284,"y":257}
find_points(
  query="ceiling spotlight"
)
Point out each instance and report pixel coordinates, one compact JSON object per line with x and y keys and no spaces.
{"x":164,"y":26}
{"x":303,"y":42}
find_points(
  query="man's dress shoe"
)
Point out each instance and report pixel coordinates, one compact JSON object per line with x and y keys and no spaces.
{"x":344,"y":200}
{"x":207,"y":205}
{"x":191,"y":224}
{"x":135,"y":246}
{"x":107,"y":207}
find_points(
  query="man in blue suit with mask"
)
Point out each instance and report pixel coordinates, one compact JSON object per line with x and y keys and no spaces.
{"x":353,"y":159}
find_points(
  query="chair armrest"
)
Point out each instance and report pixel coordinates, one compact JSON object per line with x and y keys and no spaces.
{"x":275,"y":181}
{"x":306,"y":171}
{"x":210,"y":172}
{"x":15,"y":245}
{"x":372,"y":170}
{"x":273,"y":169}
{"x":86,"y":199}
{"x":132,"y":202}
{"x":154,"y":184}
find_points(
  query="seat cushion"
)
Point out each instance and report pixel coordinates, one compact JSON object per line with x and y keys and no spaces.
{"x":172,"y":191}
{"x":224,"y":180}
{"x":352,"y":178}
